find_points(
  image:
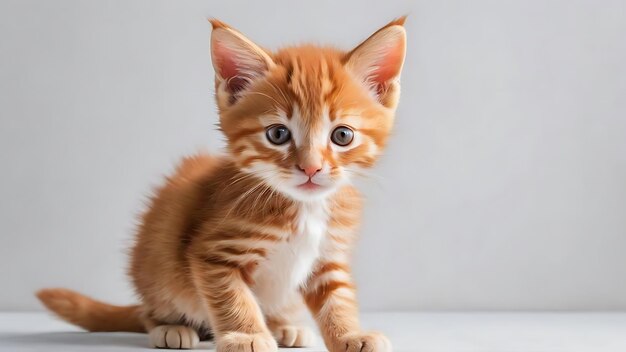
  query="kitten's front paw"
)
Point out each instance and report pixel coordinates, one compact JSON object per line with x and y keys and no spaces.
{"x":293,"y":336}
{"x":363,"y":342}
{"x":241,"y":342}
{"x":173,"y":336}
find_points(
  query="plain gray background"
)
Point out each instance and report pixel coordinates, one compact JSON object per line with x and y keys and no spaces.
{"x":504,"y":186}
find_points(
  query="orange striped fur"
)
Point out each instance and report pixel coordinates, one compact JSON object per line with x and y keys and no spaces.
{"x":238,"y":245}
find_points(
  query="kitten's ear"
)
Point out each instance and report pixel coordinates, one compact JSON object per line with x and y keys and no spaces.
{"x":378,"y":60}
{"x":236,"y":59}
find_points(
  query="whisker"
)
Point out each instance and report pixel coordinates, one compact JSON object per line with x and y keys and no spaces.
{"x":361,"y":174}
{"x":280,"y":91}
{"x":267,"y":96}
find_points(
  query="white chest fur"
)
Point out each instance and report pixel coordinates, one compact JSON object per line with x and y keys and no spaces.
{"x":290,"y":262}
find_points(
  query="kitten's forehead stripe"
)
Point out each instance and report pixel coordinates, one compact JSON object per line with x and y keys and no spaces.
{"x":310,"y":83}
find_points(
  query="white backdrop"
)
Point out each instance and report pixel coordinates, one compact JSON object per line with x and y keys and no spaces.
{"x":504,"y":186}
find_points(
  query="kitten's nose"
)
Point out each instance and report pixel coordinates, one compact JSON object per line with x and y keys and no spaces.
{"x":310,"y":170}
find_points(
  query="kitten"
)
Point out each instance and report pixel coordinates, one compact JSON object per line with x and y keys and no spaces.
{"x":237,"y":245}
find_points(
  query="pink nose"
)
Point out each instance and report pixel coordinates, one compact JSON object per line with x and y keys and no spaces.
{"x":310,"y":170}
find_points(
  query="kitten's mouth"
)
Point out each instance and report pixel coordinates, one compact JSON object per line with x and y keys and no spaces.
{"x":309,"y":186}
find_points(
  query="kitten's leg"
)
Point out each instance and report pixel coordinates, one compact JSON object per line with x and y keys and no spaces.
{"x":235,"y":316}
{"x":331,"y":297}
{"x":288,"y":328}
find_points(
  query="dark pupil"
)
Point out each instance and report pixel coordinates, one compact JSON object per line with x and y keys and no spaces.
{"x":278,"y":134}
{"x":342,"y":136}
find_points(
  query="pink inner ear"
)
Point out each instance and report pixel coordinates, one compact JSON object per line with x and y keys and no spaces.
{"x":388,"y":66}
{"x":228,"y":69}
{"x":225,"y":61}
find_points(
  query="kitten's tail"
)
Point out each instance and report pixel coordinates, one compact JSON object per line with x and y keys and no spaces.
{"x":90,"y":314}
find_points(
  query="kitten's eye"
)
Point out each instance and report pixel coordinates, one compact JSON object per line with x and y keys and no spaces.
{"x":278,"y":134}
{"x":342,"y":136}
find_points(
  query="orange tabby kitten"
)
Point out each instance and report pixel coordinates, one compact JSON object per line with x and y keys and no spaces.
{"x":236,"y":245}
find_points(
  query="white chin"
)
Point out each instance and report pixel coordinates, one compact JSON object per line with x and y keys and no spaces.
{"x":305,"y":195}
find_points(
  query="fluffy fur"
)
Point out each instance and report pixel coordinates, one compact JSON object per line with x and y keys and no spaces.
{"x":238,"y":245}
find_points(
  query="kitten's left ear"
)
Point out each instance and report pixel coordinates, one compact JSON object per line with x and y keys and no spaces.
{"x":236,"y":59}
{"x":377,"y":61}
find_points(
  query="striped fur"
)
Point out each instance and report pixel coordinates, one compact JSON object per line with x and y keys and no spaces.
{"x":236,"y":245}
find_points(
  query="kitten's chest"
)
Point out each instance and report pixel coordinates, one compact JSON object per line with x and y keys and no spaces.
{"x":290,"y":262}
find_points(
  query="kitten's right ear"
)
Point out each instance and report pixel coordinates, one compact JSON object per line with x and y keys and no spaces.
{"x":378,"y":61}
{"x":237,"y":60}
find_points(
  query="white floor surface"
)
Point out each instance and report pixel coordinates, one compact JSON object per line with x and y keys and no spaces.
{"x":424,"y":332}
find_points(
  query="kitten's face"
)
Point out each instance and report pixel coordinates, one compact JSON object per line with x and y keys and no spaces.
{"x":305,"y":119}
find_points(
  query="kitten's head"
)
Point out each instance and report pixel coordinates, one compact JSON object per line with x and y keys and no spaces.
{"x":306,"y":118}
